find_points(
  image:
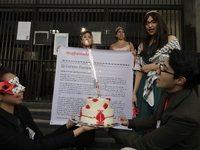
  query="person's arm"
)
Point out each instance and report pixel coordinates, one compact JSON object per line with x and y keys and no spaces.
{"x":171,"y":37}
{"x":82,"y":129}
{"x":138,"y":124}
{"x":134,"y":52}
{"x":12,"y":140}
{"x":78,"y":131}
{"x":162,"y":138}
{"x":112,"y":47}
{"x":149,"y":67}
{"x":28,"y":120}
{"x":175,"y":41}
{"x":132,"y":48}
{"x":143,"y":123}
{"x":138,"y":77}
{"x":153,"y":66}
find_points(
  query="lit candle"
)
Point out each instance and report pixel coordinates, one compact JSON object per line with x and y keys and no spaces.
{"x":94,"y":71}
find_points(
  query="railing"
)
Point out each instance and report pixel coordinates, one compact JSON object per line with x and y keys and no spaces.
{"x":35,"y":63}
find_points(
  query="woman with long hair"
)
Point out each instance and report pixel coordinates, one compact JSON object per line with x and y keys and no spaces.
{"x":151,"y":52}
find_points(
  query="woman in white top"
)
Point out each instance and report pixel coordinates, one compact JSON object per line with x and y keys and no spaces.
{"x":121,"y":44}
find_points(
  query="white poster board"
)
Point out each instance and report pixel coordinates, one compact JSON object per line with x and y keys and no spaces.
{"x":23,"y":30}
{"x":60,"y":39}
{"x":96,"y":37}
{"x":74,"y":82}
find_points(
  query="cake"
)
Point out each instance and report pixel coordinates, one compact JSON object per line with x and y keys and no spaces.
{"x":97,"y":111}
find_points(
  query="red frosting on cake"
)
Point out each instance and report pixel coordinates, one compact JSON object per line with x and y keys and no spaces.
{"x":105,"y":106}
{"x":95,"y":99}
{"x":88,"y":107}
{"x":100,"y":117}
{"x":108,"y":99}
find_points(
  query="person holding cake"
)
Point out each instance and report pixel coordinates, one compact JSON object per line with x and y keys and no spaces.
{"x":18,"y":131}
{"x":177,"y":118}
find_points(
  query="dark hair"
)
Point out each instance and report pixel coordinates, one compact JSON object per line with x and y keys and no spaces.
{"x":87,"y":31}
{"x":160,"y":37}
{"x":83,"y":33}
{"x":186,"y":64}
{"x":117,"y":29}
{"x":3,"y":71}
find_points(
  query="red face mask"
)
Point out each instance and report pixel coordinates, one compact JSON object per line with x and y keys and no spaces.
{"x":6,"y":87}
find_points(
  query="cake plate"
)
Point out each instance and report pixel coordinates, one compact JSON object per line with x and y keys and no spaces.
{"x":77,"y":121}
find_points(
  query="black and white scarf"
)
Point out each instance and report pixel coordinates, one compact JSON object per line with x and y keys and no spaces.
{"x":159,"y":58}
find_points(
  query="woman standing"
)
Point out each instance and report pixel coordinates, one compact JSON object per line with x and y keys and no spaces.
{"x":151,"y":52}
{"x":18,"y":131}
{"x":121,"y":44}
{"x":87,"y":40}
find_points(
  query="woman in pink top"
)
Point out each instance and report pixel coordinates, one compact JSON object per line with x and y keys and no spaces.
{"x":121,"y":44}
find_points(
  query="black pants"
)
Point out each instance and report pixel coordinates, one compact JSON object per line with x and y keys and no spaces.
{"x":85,"y":139}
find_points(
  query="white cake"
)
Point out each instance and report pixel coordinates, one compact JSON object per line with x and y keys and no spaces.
{"x":97,"y":111}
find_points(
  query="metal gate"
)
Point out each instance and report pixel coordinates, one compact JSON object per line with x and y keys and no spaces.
{"x":33,"y":60}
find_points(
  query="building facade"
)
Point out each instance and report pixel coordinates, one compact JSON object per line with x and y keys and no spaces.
{"x":32,"y":58}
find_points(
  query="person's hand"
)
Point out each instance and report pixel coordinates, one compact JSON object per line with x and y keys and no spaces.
{"x":146,"y":68}
{"x":82,"y":129}
{"x":70,"y":123}
{"x":134,"y":100}
{"x":57,"y":48}
{"x":134,"y":104}
{"x":134,"y":52}
{"x":124,"y":121}
{"x":88,"y":128}
{"x":133,"y":115}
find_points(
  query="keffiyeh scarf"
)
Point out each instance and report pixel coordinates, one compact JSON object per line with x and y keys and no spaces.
{"x":158,"y":58}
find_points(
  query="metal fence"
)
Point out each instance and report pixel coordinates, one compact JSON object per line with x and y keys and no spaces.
{"x":33,"y":60}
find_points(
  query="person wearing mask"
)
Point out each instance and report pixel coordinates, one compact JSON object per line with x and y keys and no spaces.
{"x":18,"y":131}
